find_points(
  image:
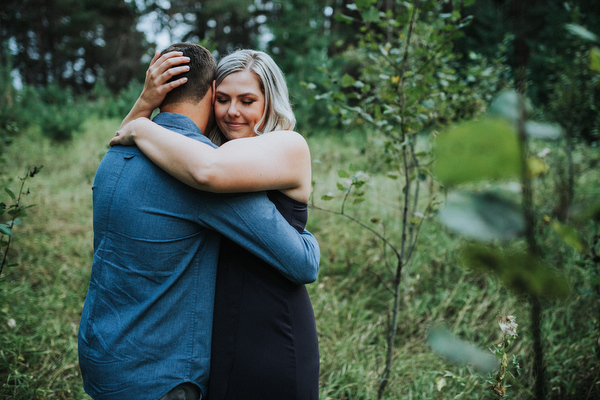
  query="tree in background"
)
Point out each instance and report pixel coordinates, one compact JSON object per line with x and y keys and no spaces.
{"x":227,"y":24}
{"x":543,"y":38}
{"x":73,"y":43}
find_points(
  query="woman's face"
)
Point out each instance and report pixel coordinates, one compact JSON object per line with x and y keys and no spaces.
{"x":239,"y":105}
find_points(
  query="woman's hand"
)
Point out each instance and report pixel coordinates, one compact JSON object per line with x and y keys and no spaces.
{"x":156,"y":86}
{"x":126,"y":135}
{"x":161,"y":69}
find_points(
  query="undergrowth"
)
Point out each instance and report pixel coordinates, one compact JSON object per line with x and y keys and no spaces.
{"x":41,"y":298}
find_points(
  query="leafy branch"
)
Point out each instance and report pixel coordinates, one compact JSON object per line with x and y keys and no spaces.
{"x":15,"y":211}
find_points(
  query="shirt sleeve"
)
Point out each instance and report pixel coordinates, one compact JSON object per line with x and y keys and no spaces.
{"x":253,"y":222}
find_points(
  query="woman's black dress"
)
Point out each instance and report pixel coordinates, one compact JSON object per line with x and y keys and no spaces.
{"x":264,"y":341}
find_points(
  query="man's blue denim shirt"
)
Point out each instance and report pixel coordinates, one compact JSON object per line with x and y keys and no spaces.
{"x":147,"y":318}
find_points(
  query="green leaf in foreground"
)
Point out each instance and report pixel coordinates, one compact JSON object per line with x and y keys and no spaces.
{"x":539,"y":130}
{"x":10,"y":193}
{"x":478,"y":150}
{"x":582,"y":32}
{"x":456,"y":350}
{"x":371,"y":15}
{"x":483,"y":216}
{"x":569,"y":235}
{"x":508,"y":105}
{"x":589,"y":213}
{"x":523,"y":273}
{"x":347,"y":81}
{"x":595,"y":59}
{"x":5,"y":230}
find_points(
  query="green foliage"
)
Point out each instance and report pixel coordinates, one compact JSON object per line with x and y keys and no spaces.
{"x":41,"y":298}
{"x":489,"y":150}
{"x":575,"y":92}
{"x":524,"y":273}
{"x":8,"y":120}
{"x":110,"y":105}
{"x":15,"y":212}
{"x":483,"y":215}
{"x":402,"y":85}
{"x":53,"y":109}
{"x":72,"y":43}
{"x":492,"y":150}
{"x":456,"y":350}
{"x":351,"y":298}
{"x":534,"y":30}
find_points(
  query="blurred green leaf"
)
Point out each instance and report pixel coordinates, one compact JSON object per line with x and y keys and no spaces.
{"x":347,"y":81}
{"x":371,"y":15}
{"x":478,"y":150}
{"x":362,"y":4}
{"x":339,"y":17}
{"x":545,"y":131}
{"x":582,"y":32}
{"x":5,"y":230}
{"x":442,"y":341}
{"x":536,"y":167}
{"x":326,"y":197}
{"x":508,"y":105}
{"x":523,"y":273}
{"x":595,"y":59}
{"x":10,"y":193}
{"x":428,"y":104}
{"x":591,"y":212}
{"x":482,"y":216}
{"x":343,"y":174}
{"x":569,"y":235}
{"x":17,"y":212}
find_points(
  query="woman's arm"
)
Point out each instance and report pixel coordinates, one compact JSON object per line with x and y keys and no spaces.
{"x":161,"y":69}
{"x":277,"y":160}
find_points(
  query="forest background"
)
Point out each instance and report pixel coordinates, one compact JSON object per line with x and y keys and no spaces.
{"x":455,"y":167}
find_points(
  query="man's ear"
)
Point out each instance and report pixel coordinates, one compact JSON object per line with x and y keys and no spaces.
{"x":214,"y":92}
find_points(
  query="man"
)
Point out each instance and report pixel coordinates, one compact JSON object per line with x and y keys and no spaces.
{"x":146,"y":324}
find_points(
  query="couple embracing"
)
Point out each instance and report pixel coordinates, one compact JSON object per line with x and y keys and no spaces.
{"x":200,"y":252}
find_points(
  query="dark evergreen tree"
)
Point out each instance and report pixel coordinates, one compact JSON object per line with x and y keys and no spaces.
{"x":72,"y":43}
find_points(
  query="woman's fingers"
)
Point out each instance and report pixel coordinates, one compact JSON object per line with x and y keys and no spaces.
{"x":156,"y":56}
{"x":166,"y":67}
{"x":169,"y":60}
{"x":173,"y":84}
{"x":171,"y":72}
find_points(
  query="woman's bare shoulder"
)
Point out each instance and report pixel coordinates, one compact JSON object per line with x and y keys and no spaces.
{"x":292,"y":138}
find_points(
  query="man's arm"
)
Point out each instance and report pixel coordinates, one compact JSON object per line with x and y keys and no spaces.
{"x":254,"y":223}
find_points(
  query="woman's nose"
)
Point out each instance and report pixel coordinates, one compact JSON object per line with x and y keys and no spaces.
{"x":233,"y":109}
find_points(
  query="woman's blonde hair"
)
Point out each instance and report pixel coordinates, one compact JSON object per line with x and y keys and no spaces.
{"x":278,"y":114}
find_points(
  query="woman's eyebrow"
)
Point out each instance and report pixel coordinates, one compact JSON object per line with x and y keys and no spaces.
{"x":237,"y":95}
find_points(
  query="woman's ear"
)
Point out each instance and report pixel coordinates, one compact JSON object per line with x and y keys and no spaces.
{"x":214,"y":92}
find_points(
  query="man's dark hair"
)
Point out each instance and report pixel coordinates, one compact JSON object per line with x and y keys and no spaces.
{"x":200,"y":76}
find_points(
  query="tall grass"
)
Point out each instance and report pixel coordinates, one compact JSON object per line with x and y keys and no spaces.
{"x":44,"y":294}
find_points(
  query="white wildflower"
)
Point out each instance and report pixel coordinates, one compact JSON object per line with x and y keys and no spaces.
{"x":12,"y":323}
{"x":508,"y":326}
{"x":544,"y":152}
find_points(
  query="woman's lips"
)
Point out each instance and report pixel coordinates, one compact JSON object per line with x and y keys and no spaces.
{"x":235,"y":125}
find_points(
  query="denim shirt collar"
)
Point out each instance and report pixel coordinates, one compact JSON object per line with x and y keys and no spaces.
{"x":181,"y":124}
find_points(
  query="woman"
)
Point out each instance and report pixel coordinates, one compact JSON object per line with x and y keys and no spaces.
{"x":264,"y":334}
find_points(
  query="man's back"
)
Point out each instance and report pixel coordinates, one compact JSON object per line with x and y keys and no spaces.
{"x":148,"y":315}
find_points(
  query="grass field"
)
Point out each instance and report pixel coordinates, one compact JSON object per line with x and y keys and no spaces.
{"x":41,"y":298}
